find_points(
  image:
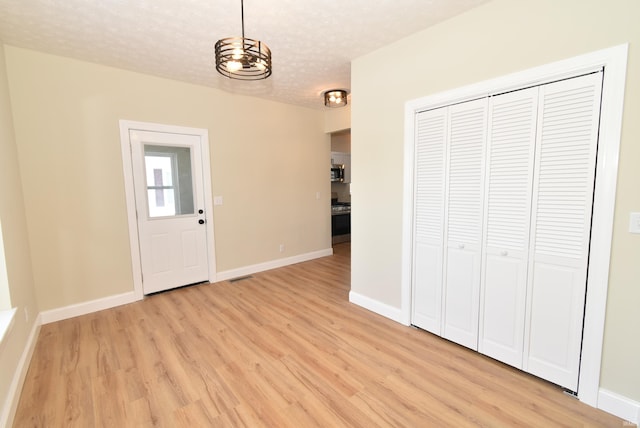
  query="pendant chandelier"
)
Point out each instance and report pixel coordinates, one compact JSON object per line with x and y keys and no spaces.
{"x":241,"y":58}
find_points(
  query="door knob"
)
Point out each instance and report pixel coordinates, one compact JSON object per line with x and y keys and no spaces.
{"x":200,"y":221}
{"x":200,"y":211}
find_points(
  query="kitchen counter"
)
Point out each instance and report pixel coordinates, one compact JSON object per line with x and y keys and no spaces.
{"x":340,"y":209}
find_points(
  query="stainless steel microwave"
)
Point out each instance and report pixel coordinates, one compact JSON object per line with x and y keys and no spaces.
{"x":337,"y":173}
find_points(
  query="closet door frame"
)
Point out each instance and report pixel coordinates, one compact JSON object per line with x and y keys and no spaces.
{"x":614,"y":62}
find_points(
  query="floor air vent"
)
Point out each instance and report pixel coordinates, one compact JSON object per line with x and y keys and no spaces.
{"x":241,"y":278}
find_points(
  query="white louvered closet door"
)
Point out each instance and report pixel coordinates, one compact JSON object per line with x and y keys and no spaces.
{"x":509,"y":181}
{"x":463,"y":221}
{"x":430,"y":150}
{"x":561,"y":223}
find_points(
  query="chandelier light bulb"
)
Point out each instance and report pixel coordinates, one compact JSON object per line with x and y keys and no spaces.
{"x":234,"y":65}
{"x":237,"y":53}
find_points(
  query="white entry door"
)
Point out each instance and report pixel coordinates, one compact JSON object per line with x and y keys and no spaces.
{"x":170,"y":206}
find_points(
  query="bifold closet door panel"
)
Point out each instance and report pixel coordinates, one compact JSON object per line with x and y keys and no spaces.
{"x":430,"y":151}
{"x":463,"y":221}
{"x":509,"y":181}
{"x":561,"y":224}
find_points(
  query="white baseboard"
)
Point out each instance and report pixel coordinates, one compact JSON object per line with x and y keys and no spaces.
{"x":273,"y":264}
{"x":13,"y":395}
{"x":6,"y":322}
{"x":84,"y":308}
{"x":618,"y":405}
{"x":385,"y":310}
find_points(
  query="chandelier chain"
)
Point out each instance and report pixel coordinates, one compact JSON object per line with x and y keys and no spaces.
{"x":242,"y":16}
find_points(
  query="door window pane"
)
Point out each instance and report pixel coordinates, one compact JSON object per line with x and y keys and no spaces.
{"x":161,"y":202}
{"x":169,"y":180}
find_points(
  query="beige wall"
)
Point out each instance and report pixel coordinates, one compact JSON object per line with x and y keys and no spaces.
{"x":267,"y":161}
{"x":337,"y":119}
{"x":16,"y":245}
{"x":341,"y":141}
{"x":495,"y":39}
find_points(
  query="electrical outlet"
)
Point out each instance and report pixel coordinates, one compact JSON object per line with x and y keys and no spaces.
{"x":634,"y":223}
{"x":217,"y":200}
{"x":282,"y":248}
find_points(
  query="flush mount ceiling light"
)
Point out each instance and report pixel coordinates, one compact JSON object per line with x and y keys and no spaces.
{"x":241,"y":58}
{"x":335,"y":98}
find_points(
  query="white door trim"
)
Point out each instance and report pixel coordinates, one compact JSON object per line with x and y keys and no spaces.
{"x":614,"y":61}
{"x":127,"y":167}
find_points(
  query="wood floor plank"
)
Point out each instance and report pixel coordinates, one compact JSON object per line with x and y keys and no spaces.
{"x":194,"y":414}
{"x":284,"y":348}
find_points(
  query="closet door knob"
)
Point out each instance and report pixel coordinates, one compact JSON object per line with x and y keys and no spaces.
{"x":504,"y":253}
{"x":461,"y":246}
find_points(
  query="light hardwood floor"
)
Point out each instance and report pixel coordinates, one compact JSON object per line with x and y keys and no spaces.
{"x":282,"y":349}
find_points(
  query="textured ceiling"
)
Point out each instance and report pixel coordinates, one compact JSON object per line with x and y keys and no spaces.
{"x":313,"y":41}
